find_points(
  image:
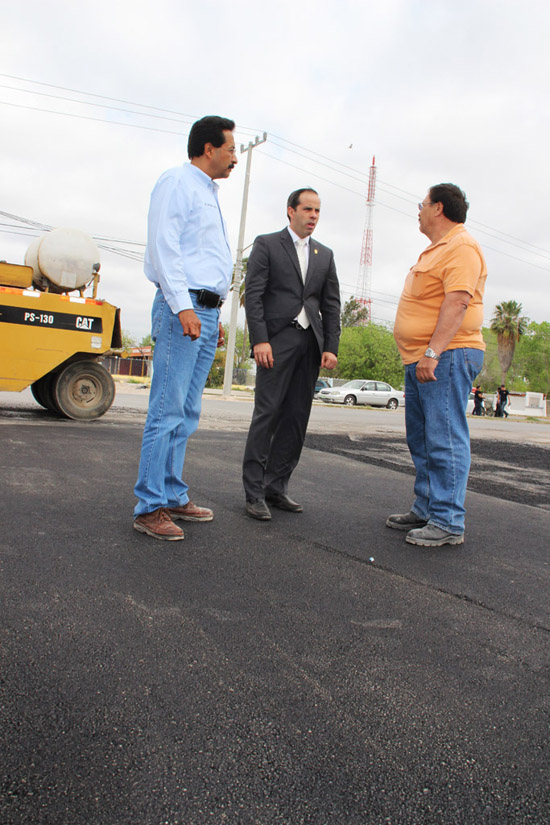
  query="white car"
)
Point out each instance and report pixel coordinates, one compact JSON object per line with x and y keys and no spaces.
{"x":374,"y":393}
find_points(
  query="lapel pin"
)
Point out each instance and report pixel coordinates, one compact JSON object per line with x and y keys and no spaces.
{"x":315,"y":252}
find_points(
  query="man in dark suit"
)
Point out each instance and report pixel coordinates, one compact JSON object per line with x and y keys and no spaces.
{"x":292,"y":301}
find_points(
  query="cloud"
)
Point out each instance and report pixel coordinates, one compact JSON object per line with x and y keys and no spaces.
{"x":437,"y":92}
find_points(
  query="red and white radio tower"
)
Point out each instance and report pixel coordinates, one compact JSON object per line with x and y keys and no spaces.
{"x":364,"y":280}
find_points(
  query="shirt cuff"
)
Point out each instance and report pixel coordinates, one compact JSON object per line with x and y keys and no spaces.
{"x":180,"y":302}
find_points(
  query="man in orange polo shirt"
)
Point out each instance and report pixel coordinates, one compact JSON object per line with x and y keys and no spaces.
{"x":438,"y":332}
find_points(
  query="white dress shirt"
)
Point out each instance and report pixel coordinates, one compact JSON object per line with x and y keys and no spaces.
{"x":296,"y":238}
{"x":302,"y":318}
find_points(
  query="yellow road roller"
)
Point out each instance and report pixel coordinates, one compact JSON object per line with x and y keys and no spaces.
{"x":51,"y":335}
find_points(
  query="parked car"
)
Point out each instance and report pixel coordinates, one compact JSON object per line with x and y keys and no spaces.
{"x":374,"y":393}
{"x":320,"y":384}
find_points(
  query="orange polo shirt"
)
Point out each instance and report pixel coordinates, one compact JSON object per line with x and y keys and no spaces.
{"x":453,"y":264}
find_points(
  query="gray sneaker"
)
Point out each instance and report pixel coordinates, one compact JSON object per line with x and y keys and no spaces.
{"x":432,"y":536}
{"x":405,"y":521}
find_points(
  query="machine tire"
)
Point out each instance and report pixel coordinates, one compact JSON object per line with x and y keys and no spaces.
{"x":43,"y":391}
{"x":392,"y":404}
{"x":84,"y":390}
{"x":350,"y":401}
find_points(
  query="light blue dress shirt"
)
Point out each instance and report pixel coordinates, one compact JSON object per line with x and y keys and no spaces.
{"x":187,"y":244}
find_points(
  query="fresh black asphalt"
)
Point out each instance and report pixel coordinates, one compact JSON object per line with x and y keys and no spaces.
{"x":314,"y":669}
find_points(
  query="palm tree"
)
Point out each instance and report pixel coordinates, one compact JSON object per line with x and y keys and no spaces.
{"x":509,"y":325}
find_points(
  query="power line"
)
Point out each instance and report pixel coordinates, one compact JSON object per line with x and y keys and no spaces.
{"x":87,"y":117}
{"x":99,"y":105}
{"x":23,"y":234}
{"x":358,"y":175}
{"x":481,"y":226}
{"x":362,"y":175}
{"x":300,"y":169}
{"x":34,"y":225}
{"x":192,"y":118}
{"x":400,"y":211}
{"x":404,"y":191}
{"x":333,"y":183}
{"x":90,"y":94}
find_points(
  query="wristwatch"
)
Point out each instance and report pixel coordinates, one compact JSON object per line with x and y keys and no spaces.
{"x":430,"y":353}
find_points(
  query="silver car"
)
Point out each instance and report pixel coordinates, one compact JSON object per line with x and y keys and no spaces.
{"x":374,"y":393}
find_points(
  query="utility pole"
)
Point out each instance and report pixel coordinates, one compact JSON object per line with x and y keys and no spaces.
{"x":237,"y":277}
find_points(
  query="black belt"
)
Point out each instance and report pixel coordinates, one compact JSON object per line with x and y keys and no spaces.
{"x":207,"y":298}
{"x":296,"y":324}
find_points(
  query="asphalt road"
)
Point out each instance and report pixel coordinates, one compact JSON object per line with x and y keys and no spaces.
{"x":314,"y":669}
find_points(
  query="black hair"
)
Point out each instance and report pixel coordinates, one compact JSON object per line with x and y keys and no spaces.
{"x":209,"y":129}
{"x":294,"y":197}
{"x":453,"y":199}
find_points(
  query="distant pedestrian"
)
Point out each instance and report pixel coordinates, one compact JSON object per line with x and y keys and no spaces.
{"x":502,"y":402}
{"x":438,"y":332}
{"x":478,"y":401}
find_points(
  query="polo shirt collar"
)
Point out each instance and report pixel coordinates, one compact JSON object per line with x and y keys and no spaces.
{"x":456,"y":230}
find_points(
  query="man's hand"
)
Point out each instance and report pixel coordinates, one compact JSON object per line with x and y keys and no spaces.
{"x":328,"y":360}
{"x":221,"y":336}
{"x":263,"y":355}
{"x":190,"y":323}
{"x":425,"y":370}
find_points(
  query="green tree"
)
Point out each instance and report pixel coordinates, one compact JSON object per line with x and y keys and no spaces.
{"x":490,"y":375}
{"x":146,"y":341}
{"x":217,"y":370}
{"x":369,"y":352}
{"x":509,"y":325}
{"x":216,"y":374}
{"x":242,"y":347}
{"x":128,"y":340}
{"x":354,"y":314}
{"x":533,"y":357}
{"x":245,"y":348}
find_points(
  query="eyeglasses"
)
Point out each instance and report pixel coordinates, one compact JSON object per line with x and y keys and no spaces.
{"x":422,"y":205}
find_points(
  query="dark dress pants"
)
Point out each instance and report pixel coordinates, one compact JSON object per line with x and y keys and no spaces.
{"x":283,"y":398}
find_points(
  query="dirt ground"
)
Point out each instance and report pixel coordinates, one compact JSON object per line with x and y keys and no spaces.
{"x":507,"y":470}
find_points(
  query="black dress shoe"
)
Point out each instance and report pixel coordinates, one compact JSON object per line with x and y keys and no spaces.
{"x":257,"y":508}
{"x":283,"y":502}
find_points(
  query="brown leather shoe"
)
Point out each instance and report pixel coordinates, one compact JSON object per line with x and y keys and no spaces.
{"x":159,"y":525}
{"x":190,"y":512}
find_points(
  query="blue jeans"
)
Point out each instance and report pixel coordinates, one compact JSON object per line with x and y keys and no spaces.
{"x":180,"y":370}
{"x":439,"y":438}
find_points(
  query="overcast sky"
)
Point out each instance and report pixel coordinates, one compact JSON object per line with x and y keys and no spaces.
{"x":438,"y":91}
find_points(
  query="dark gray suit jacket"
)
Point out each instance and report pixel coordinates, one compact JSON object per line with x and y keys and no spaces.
{"x":275,"y":292}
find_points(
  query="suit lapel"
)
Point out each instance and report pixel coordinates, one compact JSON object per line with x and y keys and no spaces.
{"x":313,"y":255}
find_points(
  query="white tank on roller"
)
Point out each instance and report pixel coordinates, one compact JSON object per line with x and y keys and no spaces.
{"x":63,"y":259}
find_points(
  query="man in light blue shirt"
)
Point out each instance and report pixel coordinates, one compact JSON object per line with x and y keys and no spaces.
{"x":189,"y":260}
